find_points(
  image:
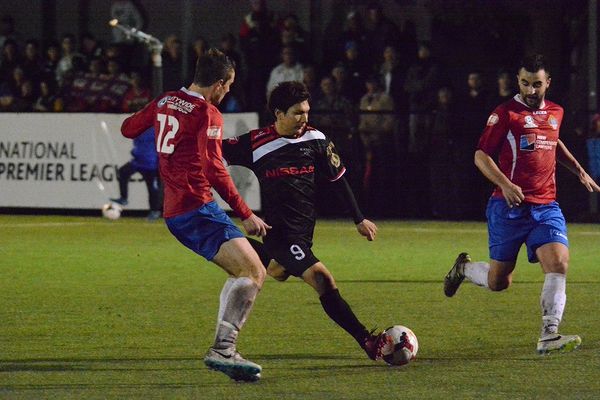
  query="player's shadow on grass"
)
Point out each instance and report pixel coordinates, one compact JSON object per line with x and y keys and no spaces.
{"x":96,"y":364}
{"x":24,"y":367}
{"x":301,"y":356}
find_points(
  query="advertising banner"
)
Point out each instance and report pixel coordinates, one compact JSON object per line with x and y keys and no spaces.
{"x":57,"y":160}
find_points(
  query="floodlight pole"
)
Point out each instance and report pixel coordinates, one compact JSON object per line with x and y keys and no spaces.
{"x":154,"y":45}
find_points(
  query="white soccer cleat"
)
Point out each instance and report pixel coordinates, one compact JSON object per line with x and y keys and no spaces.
{"x":232,"y":364}
{"x":558,"y":343}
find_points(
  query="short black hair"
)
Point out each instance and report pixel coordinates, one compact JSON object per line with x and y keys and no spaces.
{"x":211,"y":67}
{"x":534,"y":63}
{"x":286,"y":94}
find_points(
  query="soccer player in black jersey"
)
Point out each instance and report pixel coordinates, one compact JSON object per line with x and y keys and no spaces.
{"x":286,"y":157}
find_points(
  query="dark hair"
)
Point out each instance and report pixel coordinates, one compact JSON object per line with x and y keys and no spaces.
{"x":286,"y":94}
{"x":211,"y":67}
{"x":533,"y":63}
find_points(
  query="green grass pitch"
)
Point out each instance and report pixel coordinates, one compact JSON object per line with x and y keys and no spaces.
{"x":94,"y":309}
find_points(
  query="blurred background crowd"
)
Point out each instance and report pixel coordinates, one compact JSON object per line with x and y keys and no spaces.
{"x":405,"y":108}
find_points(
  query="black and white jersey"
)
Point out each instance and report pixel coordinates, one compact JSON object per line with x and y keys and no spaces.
{"x":286,"y":168}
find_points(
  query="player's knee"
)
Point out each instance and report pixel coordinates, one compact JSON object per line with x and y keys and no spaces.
{"x":251,"y":264}
{"x":500,"y":284}
{"x":559,"y":266}
{"x":320,"y":278}
{"x":277,"y":272}
{"x":256,"y":272}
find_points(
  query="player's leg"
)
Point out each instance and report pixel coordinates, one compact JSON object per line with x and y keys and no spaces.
{"x":123,"y":175}
{"x":274,"y":269}
{"x":548,"y":243}
{"x":209,"y":232}
{"x":247,"y":275}
{"x":260,"y":249}
{"x":153,"y":186}
{"x":554,"y":259}
{"x":496,"y":276}
{"x":319,"y":277}
{"x":507,"y":230}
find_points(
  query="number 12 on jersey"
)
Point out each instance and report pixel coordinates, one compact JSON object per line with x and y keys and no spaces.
{"x":169,"y":125}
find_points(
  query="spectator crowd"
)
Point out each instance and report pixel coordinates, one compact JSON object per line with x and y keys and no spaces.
{"x":406,"y":135}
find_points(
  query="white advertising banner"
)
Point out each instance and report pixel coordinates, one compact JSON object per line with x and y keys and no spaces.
{"x":60,"y":160}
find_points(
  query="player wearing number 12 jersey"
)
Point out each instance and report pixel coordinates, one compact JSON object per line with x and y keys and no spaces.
{"x":523,"y":135}
{"x":286,"y":157}
{"x":188,"y":130}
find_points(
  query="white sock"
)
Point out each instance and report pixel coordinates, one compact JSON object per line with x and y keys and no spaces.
{"x":553,"y":300}
{"x":223,"y":301}
{"x":477,"y":272}
{"x":237,"y":304}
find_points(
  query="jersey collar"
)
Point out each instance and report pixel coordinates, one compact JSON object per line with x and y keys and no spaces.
{"x":289,"y":137}
{"x":519,"y":99}
{"x":190,"y":93}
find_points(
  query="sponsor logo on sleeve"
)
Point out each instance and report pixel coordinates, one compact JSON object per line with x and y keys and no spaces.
{"x":163,"y":101}
{"x":213,"y":132}
{"x":493,"y":119}
{"x":334,"y":158}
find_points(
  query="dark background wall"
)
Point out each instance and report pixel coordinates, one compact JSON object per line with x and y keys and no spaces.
{"x":465,"y":35}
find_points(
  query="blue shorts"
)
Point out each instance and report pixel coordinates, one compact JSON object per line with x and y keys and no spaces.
{"x":204,"y":230}
{"x":532,"y":224}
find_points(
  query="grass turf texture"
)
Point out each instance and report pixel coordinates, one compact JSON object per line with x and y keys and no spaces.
{"x":96,"y":309}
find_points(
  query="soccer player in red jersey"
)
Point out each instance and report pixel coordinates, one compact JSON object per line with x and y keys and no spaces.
{"x":523,"y":135}
{"x":287,"y":157}
{"x":188,"y":130}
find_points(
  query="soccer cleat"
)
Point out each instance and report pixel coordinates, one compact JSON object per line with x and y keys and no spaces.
{"x":456,"y":275}
{"x":232,"y":364}
{"x":374,"y":344}
{"x":558,"y":344}
{"x":120,"y":201}
{"x":153,"y":216}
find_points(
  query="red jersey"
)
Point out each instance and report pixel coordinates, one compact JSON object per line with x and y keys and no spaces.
{"x":188,"y":133}
{"x":524,"y":140}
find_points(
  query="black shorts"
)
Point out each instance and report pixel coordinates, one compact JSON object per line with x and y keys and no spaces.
{"x":295,"y":255}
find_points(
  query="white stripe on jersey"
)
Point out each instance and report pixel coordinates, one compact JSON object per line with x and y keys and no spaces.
{"x":339,"y":175}
{"x":513,"y":146}
{"x":282,"y":141}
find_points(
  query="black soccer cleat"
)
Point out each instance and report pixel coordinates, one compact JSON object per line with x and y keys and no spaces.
{"x":120,"y":201}
{"x":456,"y":275}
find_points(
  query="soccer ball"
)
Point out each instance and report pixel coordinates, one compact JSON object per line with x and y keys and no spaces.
{"x":403,"y":347}
{"x":112,"y":211}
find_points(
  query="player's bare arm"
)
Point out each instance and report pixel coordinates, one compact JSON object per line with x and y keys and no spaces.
{"x":367,"y":228}
{"x":254,"y":225}
{"x":488,"y":167}
{"x":566,"y":158}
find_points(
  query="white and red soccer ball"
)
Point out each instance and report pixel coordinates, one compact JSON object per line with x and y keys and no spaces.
{"x":403,"y":347}
{"x":112,"y":210}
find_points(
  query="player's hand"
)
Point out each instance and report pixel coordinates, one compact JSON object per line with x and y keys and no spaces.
{"x":367,"y":229}
{"x":512,"y":194}
{"x":588,"y":182}
{"x":255,"y":226}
